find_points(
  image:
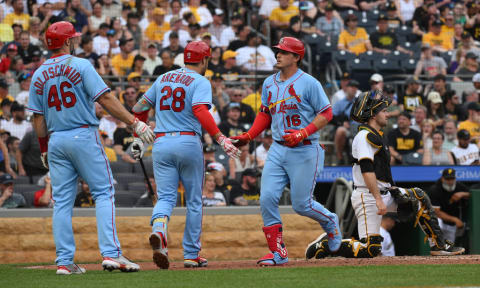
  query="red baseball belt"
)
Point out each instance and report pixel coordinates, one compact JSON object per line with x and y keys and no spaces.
{"x":161,"y":134}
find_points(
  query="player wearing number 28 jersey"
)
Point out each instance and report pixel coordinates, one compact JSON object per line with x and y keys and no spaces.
{"x":181,"y":99}
{"x":63,"y":93}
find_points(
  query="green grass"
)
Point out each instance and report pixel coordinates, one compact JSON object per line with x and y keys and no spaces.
{"x":311,"y":277}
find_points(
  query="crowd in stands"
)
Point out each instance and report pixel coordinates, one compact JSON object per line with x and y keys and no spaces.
{"x":131,"y":43}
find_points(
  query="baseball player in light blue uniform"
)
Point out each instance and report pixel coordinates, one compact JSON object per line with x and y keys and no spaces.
{"x":295,"y":106}
{"x":62,"y":97}
{"x":181,"y":99}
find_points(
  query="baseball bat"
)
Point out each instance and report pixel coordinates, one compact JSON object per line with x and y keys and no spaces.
{"x":153,"y":194}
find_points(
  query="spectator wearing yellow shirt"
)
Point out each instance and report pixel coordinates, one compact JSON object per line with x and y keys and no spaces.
{"x":472,"y":123}
{"x":17,"y":17}
{"x":124,"y":60}
{"x":449,"y":27}
{"x":280,"y":17}
{"x":4,"y":95}
{"x":353,"y":38}
{"x":439,"y":41}
{"x":158,"y":27}
{"x":111,"y":155}
{"x":254,"y":100}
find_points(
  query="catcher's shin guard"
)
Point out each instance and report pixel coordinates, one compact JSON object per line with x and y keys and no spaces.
{"x":415,"y":202}
{"x":427,"y":218}
{"x":365,"y":248}
{"x":278,"y":255}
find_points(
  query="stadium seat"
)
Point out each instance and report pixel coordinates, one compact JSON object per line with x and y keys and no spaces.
{"x":405,"y":32}
{"x":22,"y":180}
{"x":21,"y":188}
{"x":416,"y":47}
{"x":226,"y":194}
{"x":397,"y":55}
{"x":125,"y":178}
{"x":342,"y":57}
{"x":447,"y":56}
{"x":367,"y":24}
{"x":370,"y":56}
{"x":344,"y":14}
{"x":137,"y":168}
{"x":125,"y":198}
{"x":29,"y":196}
{"x":409,"y":65}
{"x":386,"y":66}
{"x":222,"y":158}
{"x":360,"y":65}
{"x":121,"y":167}
{"x":137,"y":187}
{"x":373,"y":14}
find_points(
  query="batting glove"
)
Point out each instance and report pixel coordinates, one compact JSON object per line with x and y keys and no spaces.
{"x":241,"y":140}
{"x":44,"y":157}
{"x":143,"y":131}
{"x":137,"y":149}
{"x":228,"y":146}
{"x":293,"y":137}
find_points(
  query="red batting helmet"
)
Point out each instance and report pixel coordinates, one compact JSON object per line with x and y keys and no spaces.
{"x":58,"y":32}
{"x":195,"y":51}
{"x":291,"y":44}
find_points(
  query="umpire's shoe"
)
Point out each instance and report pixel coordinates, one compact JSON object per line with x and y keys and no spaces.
{"x":448,"y":250}
{"x":158,"y":242}
{"x":70,"y":269}
{"x":318,"y":248}
{"x":195,"y":263}
{"x":121,"y":263}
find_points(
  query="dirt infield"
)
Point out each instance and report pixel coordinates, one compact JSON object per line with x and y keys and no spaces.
{"x":339,"y":261}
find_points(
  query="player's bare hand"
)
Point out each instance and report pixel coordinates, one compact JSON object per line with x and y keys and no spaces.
{"x":458,"y":222}
{"x":137,"y":149}
{"x":382,"y":209}
{"x":293,"y":137}
{"x":228,"y":146}
{"x":44,"y":157}
{"x":241,"y":140}
{"x":143,"y":131}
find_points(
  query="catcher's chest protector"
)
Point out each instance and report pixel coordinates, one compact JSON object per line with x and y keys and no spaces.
{"x":381,"y":160}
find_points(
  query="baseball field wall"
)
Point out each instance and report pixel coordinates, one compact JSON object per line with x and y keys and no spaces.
{"x":228,"y":233}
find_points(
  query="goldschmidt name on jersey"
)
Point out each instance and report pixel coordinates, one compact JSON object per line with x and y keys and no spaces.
{"x":56,"y":71}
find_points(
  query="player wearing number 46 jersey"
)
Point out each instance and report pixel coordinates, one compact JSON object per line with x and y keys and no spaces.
{"x":295,"y":106}
{"x":62,"y":97}
{"x":181,"y":99}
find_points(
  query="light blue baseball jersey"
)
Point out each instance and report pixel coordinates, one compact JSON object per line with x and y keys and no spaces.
{"x":293,"y":103}
{"x":64,"y":89}
{"x":173,"y":95}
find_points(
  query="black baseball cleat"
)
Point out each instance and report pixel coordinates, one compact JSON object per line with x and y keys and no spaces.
{"x":448,"y":250}
{"x":318,"y":248}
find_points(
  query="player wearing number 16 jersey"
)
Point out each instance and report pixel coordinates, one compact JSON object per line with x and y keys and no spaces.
{"x":295,"y":106}
{"x":181,"y":99}
{"x":62,"y":97}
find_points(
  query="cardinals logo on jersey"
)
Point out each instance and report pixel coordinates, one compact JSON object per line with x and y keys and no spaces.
{"x":292,"y":92}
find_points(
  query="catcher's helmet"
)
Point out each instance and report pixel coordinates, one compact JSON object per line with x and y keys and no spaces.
{"x":195,"y":51}
{"x":58,"y":32}
{"x":291,"y":44}
{"x":367,"y":105}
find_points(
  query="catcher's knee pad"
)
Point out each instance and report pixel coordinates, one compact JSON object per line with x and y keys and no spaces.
{"x":365,"y":248}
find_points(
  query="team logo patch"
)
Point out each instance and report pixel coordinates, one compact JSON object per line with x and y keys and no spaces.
{"x":292,"y":92}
